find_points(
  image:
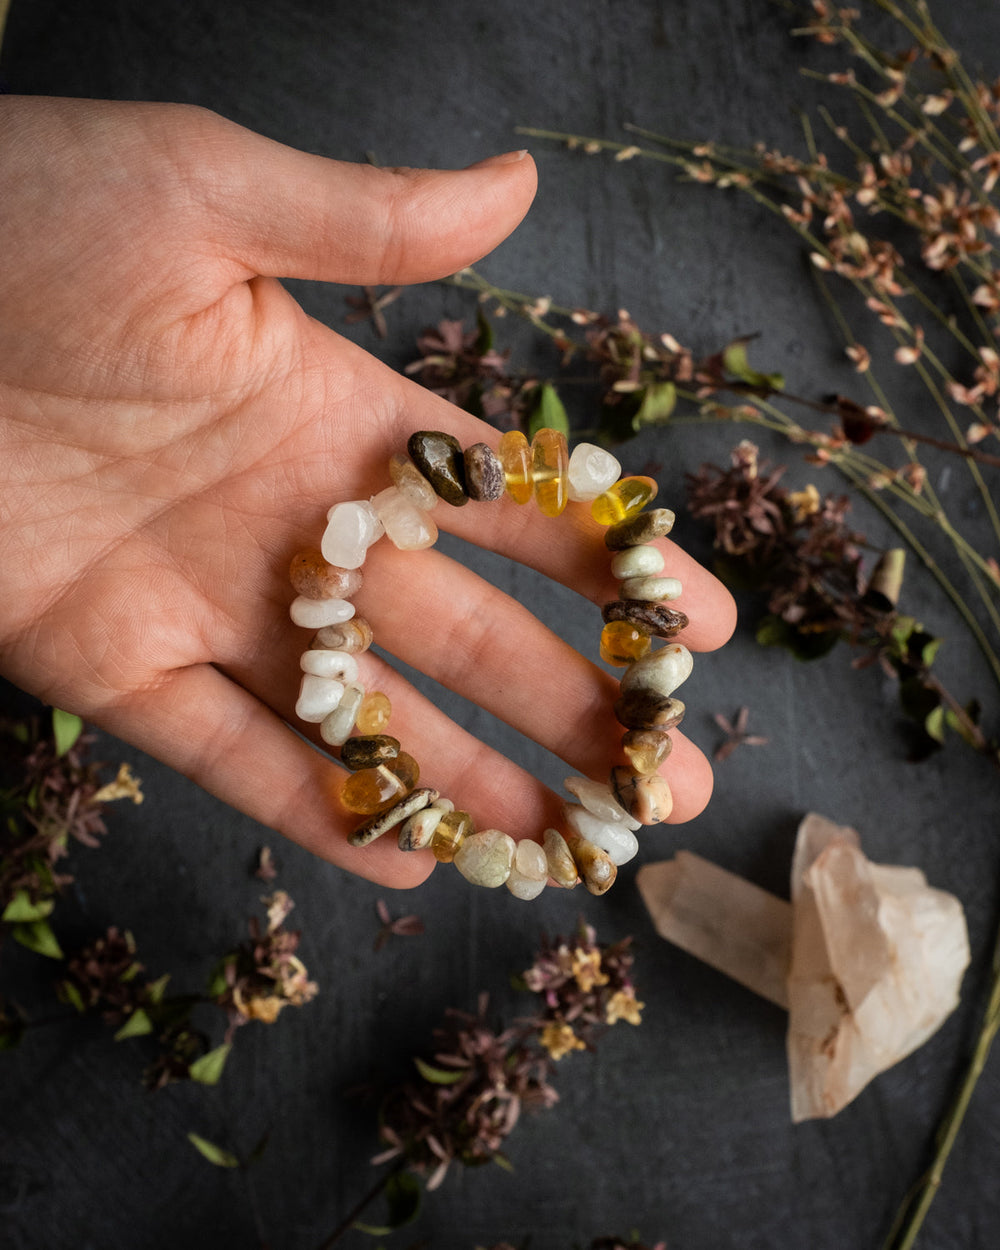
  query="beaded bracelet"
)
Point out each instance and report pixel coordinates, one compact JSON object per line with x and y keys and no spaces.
{"x":383,"y":785}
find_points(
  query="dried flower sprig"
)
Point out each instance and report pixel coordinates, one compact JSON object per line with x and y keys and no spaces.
{"x":50,"y":796}
{"x":467,"y":1098}
{"x":53,"y":795}
{"x":257,"y":980}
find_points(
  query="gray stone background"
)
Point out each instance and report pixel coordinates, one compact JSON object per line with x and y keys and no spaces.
{"x":678,"y":1129}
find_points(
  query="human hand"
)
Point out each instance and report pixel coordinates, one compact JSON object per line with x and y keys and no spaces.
{"x":173,"y":428}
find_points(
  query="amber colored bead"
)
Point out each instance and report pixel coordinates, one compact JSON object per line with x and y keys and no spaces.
{"x":646,"y":749}
{"x":621,"y":643}
{"x":374,"y":713}
{"x":550,"y":471}
{"x":373,"y":789}
{"x":453,"y":828}
{"x":514,"y":454}
{"x":625,"y":499}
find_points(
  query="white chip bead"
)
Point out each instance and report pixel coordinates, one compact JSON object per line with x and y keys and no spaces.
{"x":599,"y":800}
{"x":408,"y":527}
{"x":315,"y":613}
{"x":336,"y":728}
{"x":418,"y":830}
{"x":652,"y":589}
{"x":318,"y":696}
{"x":662,"y":671}
{"x":641,"y":561}
{"x":592,"y":470}
{"x":351,"y":528}
{"x":617,"y":842}
{"x":529,"y":871}
{"x":337,"y":664}
{"x":485,"y":858}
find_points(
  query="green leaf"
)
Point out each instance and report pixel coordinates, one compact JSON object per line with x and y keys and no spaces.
{"x":38,"y":937}
{"x":156,"y":989}
{"x":208,"y":1069}
{"x":658,"y":401}
{"x":439,"y":1076}
{"x":547,"y":411}
{"x":934,"y":724}
{"x":21,"y":910}
{"x":69,"y":993}
{"x":403,"y":1195}
{"x":929,"y":651}
{"x":66,"y":728}
{"x":734,"y":360}
{"x":213,"y":1153}
{"x":137,"y":1025}
{"x":502,"y":1161}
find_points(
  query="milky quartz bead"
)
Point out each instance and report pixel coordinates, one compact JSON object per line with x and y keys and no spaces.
{"x":592,"y":470}
{"x":336,"y":728}
{"x":336,"y":664}
{"x":351,"y":528}
{"x":318,"y":697}
{"x":642,"y":561}
{"x":614,"y":839}
{"x":597,"y":798}
{"x":650,"y":589}
{"x":660,"y":671}
{"x":486,"y":858}
{"x":315,"y":613}
{"x":408,"y":527}
{"x":529,"y":872}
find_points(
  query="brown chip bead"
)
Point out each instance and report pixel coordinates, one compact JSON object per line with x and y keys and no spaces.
{"x":439,"y":458}
{"x":643,"y":708}
{"x":484,"y":476}
{"x":640,"y":529}
{"x":365,"y":751}
{"x":312,"y":577}
{"x":652,"y":618}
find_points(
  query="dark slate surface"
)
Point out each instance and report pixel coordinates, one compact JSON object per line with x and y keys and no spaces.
{"x":679,"y":1129}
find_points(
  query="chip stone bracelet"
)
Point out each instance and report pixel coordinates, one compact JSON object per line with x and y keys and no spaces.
{"x":598,"y":830}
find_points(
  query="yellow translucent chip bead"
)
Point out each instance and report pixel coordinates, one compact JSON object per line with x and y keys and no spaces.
{"x":373,"y":789}
{"x":628,"y":496}
{"x":374,"y":712}
{"x":621,"y":643}
{"x":550,"y":471}
{"x":515,"y":457}
{"x":452,"y":830}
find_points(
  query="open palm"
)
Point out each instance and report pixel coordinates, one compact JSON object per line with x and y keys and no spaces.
{"x":174,"y":428}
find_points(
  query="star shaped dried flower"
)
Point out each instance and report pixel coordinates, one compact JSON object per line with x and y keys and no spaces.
{"x":736,"y":734}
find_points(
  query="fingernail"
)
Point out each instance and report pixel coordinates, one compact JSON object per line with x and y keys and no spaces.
{"x":505,"y":158}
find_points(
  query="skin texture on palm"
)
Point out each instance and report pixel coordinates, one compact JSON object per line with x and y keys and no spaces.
{"x":173,"y":428}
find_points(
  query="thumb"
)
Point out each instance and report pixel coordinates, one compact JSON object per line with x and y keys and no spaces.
{"x":288,"y":214}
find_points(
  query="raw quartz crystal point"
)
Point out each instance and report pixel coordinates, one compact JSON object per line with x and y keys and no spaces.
{"x":867,"y":958}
